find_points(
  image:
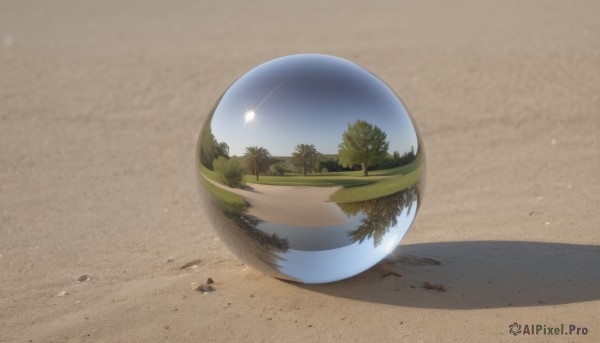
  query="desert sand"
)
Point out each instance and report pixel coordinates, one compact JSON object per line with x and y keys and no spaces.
{"x":100,"y":106}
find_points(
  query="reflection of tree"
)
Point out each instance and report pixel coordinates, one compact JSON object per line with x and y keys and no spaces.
{"x":259,"y":248}
{"x":257,"y":159}
{"x":396,"y":160}
{"x":381,"y":214}
{"x":305,"y":157}
{"x":364,"y":144}
{"x":221,"y":149}
{"x":273,"y":242}
{"x":210,"y":148}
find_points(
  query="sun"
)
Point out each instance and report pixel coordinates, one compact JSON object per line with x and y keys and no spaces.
{"x":249,"y":116}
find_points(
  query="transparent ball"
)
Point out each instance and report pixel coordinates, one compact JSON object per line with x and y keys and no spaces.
{"x":311,"y":168}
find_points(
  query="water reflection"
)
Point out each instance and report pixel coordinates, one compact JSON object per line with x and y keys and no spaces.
{"x":378,"y":232}
{"x":316,"y":255}
{"x":380,"y":214}
{"x":267,"y":247}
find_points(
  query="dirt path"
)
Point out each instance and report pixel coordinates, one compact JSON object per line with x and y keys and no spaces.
{"x":291,"y":205}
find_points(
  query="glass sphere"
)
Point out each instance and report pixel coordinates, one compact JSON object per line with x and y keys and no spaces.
{"x":311,"y":168}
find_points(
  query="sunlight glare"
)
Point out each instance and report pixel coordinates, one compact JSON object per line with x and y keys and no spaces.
{"x":249,"y":116}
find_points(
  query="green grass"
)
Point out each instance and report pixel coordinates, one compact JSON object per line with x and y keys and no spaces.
{"x":356,"y":187}
{"x":210,"y":174}
{"x":358,"y":173}
{"x":313,"y":180}
{"x":231,"y":202}
{"x":333,"y":179}
{"x":387,"y":186}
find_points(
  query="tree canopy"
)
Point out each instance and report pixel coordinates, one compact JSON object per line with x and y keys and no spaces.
{"x":364,"y":144}
{"x":257,"y":159}
{"x":305,"y":157}
{"x":230,"y":171}
{"x":210,"y":148}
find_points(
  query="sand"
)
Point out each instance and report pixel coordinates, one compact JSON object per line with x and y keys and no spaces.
{"x":100,"y":106}
{"x":301,"y":206}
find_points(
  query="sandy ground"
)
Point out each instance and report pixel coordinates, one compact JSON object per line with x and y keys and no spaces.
{"x":291,"y":205}
{"x":100,"y":106}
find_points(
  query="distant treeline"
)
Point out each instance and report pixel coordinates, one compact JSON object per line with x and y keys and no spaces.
{"x":364,"y":147}
{"x":331,"y":163}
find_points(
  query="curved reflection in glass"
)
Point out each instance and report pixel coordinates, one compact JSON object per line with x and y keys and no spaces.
{"x":311,"y":168}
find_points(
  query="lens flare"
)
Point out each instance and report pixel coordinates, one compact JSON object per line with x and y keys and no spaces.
{"x":249,"y":116}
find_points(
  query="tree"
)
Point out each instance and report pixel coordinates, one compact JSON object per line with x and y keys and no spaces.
{"x":221,"y":149}
{"x":257,"y":159}
{"x":364,"y":144}
{"x":278,"y":168}
{"x":210,"y":148}
{"x":381,"y":214}
{"x":305,"y":157}
{"x":230,"y":171}
{"x":207,"y":147}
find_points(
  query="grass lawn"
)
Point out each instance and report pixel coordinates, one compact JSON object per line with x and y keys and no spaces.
{"x":390,"y":185}
{"x":327,"y":180}
{"x":379,"y":183}
{"x":210,"y":174}
{"x":231,"y":202}
{"x":343,"y":179}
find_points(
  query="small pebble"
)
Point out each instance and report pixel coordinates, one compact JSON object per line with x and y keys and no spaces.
{"x":62,"y":294}
{"x":83,"y":278}
{"x":210,"y":281}
{"x":205,"y":289}
{"x":190,"y":264}
{"x":547,"y":223}
{"x":436,"y":287}
{"x":390,"y":273}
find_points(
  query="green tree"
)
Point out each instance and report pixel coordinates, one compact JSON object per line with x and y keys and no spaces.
{"x":364,"y":144}
{"x":221,"y":149}
{"x":207,"y":147}
{"x":257,"y":159}
{"x":278,"y":168}
{"x":210,"y":148}
{"x":230,"y":171}
{"x":381,"y":214}
{"x":305,"y":157}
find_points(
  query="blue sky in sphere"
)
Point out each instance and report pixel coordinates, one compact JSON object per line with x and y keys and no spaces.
{"x":309,"y":109}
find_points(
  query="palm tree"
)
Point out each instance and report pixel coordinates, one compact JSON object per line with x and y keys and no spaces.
{"x":305,"y":157}
{"x":257,"y":159}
